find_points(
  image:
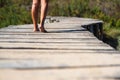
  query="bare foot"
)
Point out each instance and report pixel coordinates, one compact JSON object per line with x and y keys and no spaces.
{"x":42,"y":29}
{"x":36,"y":30}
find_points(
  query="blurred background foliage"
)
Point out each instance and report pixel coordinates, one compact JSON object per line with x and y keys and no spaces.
{"x":14,"y":12}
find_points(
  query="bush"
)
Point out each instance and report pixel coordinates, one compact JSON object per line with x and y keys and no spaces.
{"x":14,"y":14}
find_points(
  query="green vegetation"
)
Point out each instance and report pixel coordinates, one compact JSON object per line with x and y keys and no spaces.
{"x":13,"y":12}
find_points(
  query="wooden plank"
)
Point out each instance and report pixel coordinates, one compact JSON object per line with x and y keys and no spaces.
{"x":49,"y":40}
{"x":47,"y":26}
{"x":58,"y":44}
{"x":48,"y":36}
{"x":54,"y":61}
{"x":78,"y":35}
{"x":47,"y":46}
{"x":58,"y":51}
{"x":37,"y":33}
{"x":38,"y":54}
{"x":96,"y":73}
{"x":52,"y":31}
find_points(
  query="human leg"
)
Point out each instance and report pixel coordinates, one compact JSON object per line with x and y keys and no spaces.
{"x":44,"y":6}
{"x":34,"y":12}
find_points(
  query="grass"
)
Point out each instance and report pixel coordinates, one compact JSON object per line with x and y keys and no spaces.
{"x":112,"y":37}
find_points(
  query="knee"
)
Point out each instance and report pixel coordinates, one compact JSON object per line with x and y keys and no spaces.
{"x":44,"y":3}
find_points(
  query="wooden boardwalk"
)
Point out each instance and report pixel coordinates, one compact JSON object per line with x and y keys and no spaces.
{"x":67,"y":52}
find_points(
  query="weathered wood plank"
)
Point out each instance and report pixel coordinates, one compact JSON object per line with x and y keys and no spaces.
{"x":47,"y":36}
{"x":58,"y":60}
{"x":54,"y":61}
{"x":38,"y":33}
{"x":35,"y":54}
{"x":49,"y":40}
{"x":57,"y":51}
{"x":57,"y":44}
{"x":47,"y":46}
{"x":106,"y":73}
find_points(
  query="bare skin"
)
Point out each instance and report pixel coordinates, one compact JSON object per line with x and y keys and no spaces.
{"x":35,"y":8}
